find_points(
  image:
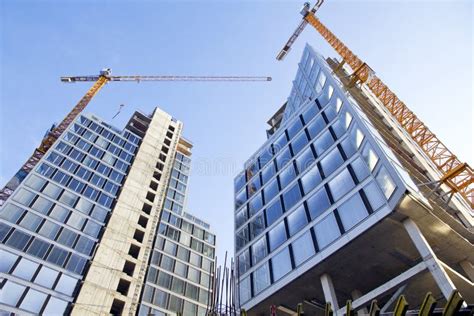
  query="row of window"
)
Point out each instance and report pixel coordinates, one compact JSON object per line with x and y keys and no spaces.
{"x":55,"y":211}
{"x":111,"y":136}
{"x":64,"y":236}
{"x":31,"y":300}
{"x":41,"y":249}
{"x":41,"y":275}
{"x":172,"y":302}
{"x":56,"y":193}
{"x":182,"y":253}
{"x":96,"y":177}
{"x":188,"y":227}
{"x":177,"y":267}
{"x":369,"y":200}
{"x":88,"y":191}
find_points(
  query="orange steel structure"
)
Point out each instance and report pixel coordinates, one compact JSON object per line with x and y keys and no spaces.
{"x":458,"y":176}
{"x":99,"y":82}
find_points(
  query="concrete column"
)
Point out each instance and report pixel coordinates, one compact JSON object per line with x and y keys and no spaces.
{"x":355,"y":295}
{"x":429,"y":257}
{"x":468,"y":267}
{"x":329,"y":292}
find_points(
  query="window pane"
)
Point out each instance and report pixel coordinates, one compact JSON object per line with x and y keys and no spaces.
{"x":360,"y":169}
{"x":370,"y":156}
{"x":295,"y":128}
{"x":298,"y":143}
{"x":316,"y":126}
{"x":11,"y":293}
{"x":8,"y":259}
{"x":261,"y":278}
{"x":66,"y":285}
{"x":311,"y":179}
{"x":375,"y":197}
{"x":352,"y":211}
{"x":287,"y":175}
{"x":318,"y":203}
{"x":18,"y":240}
{"x":386,"y":183}
{"x":323,"y":142}
{"x":277,"y":236}
{"x":292,"y":196}
{"x":268,"y":172}
{"x":259,"y":250}
{"x":255,"y":204}
{"x":245,"y":290}
{"x":38,"y":248}
{"x":283,"y":158}
{"x":274,"y":212}
{"x":303,"y":248}
{"x":24,"y":197}
{"x":11,"y":213}
{"x":341,"y":184}
{"x":280,"y":143}
{"x":25,"y":269}
{"x":244,"y":261}
{"x":326,"y":231}
{"x":331,"y":162}
{"x":257,"y":226}
{"x":271,"y":190}
{"x":297,"y":220}
{"x":55,"y":306}
{"x":33,"y":301}
{"x":42,"y":205}
{"x":281,"y":264}
{"x":305,"y":160}
{"x":46,"y":277}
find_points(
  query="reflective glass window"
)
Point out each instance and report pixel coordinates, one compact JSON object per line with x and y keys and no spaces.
{"x":49,"y":230}
{"x":59,"y":213}
{"x":55,"y":306}
{"x":352,"y":211}
{"x":360,"y":169}
{"x":242,"y":237}
{"x":8,"y":259}
{"x":244,"y":261}
{"x":18,"y":240}
{"x":375,"y":197}
{"x":296,"y":220}
{"x":316,"y":126}
{"x":323,"y":142}
{"x":327,"y":231}
{"x":281,"y":264}
{"x":268,"y":172}
{"x":304,"y":160}
{"x":283,"y":157}
{"x":11,"y":293}
{"x":318,"y":203}
{"x":280,"y":142}
{"x":46,"y":277}
{"x":25,"y":269}
{"x":310,"y":113}
{"x":255,"y":204}
{"x":287,"y":175}
{"x":33,"y":301}
{"x":295,"y":127}
{"x":241,"y":217}
{"x":386,"y":182}
{"x":277,"y":236}
{"x":331,"y":161}
{"x":254,"y":185}
{"x":341,"y":184}
{"x":66,"y":285}
{"x":257,"y":225}
{"x":240,"y":198}
{"x":261,"y":278}
{"x":274,"y":211}
{"x":245,"y":292}
{"x":303,"y":248}
{"x":259,"y":250}
{"x":292,"y":196}
{"x":11,"y":212}
{"x":24,"y":197}
{"x":271,"y":190}
{"x":311,"y":179}
{"x":370,"y":156}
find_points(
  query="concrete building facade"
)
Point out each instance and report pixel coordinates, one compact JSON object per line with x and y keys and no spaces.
{"x":335,"y":206}
{"x":78,"y":233}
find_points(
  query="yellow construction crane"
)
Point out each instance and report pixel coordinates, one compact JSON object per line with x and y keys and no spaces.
{"x":457,"y":175}
{"x":99,"y":81}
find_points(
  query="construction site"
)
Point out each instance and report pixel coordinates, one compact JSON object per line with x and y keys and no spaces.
{"x":350,"y":206}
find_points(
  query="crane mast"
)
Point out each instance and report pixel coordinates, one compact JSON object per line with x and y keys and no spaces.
{"x":458,"y":176}
{"x":99,"y":82}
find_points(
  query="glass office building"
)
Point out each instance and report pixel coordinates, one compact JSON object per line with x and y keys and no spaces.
{"x":77,"y":233}
{"x":324,"y":176}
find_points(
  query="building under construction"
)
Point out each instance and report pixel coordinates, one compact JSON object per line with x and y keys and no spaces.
{"x":99,"y":225}
{"x":350,"y":198}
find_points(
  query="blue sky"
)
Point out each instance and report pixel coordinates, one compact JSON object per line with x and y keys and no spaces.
{"x":422,"y":49}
